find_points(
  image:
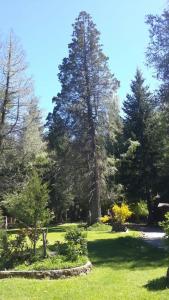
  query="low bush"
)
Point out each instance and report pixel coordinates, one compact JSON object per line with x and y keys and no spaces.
{"x":165,"y":225}
{"x":13,"y":251}
{"x":120,"y":213}
{"x":140,"y":211}
{"x":76,"y":243}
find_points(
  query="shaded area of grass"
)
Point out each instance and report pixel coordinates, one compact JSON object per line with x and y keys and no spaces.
{"x":64,"y":227}
{"x":128,"y":252}
{"x":157,"y":284}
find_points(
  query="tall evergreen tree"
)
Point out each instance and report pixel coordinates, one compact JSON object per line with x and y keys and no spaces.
{"x":158,"y":58}
{"x":139,"y":171}
{"x":87,"y":88}
{"x":158,"y":50}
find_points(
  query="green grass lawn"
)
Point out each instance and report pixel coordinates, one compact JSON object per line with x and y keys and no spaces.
{"x":124,"y":267}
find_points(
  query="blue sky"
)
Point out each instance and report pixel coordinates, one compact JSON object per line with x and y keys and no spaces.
{"x":44,"y":28}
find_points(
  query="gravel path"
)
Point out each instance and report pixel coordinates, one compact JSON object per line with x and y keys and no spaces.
{"x":154,"y":236}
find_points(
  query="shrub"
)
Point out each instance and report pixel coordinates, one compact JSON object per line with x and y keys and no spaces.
{"x":140,"y":210}
{"x":165,"y":225}
{"x":14,"y":250}
{"x":76,"y":245}
{"x":121,"y":213}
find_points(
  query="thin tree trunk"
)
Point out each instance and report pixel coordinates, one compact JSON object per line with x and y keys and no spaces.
{"x":5,"y":100}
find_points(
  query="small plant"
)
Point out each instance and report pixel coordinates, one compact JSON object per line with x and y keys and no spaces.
{"x":140,"y":211}
{"x":165,"y":225}
{"x":76,"y":243}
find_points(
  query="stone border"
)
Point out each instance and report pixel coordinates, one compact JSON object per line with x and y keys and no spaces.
{"x":48,"y":274}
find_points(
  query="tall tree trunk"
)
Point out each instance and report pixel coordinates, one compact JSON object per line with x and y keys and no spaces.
{"x":150,"y":208}
{"x":94,"y":201}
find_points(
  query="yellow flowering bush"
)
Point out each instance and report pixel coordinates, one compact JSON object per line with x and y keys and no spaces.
{"x":105,"y":219}
{"x":121,"y":213}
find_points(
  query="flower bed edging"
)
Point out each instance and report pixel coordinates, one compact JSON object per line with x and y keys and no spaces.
{"x":48,"y":274}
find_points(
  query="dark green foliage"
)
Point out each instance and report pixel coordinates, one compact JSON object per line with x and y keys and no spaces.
{"x":137,"y":108}
{"x":157,"y":51}
{"x":139,"y":166}
{"x":158,"y":58}
{"x":29,"y":205}
{"x":165,"y":225}
{"x":80,"y":121}
{"x":13,"y":251}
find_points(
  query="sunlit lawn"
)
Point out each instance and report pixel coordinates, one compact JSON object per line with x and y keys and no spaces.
{"x":124,"y":267}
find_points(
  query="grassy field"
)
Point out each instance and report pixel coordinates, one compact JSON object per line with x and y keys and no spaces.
{"x":124,"y":267}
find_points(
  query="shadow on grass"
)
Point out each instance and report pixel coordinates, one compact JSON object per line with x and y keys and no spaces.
{"x":158,"y":284}
{"x":126,"y":252}
{"x":64,"y":228}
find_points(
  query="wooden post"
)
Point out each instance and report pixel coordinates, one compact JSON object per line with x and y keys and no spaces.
{"x":44,"y":235}
{"x":6,"y":222}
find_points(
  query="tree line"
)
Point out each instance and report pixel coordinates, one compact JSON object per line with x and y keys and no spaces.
{"x":90,"y":155}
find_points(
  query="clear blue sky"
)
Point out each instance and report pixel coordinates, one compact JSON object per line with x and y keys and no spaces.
{"x":44,"y":28}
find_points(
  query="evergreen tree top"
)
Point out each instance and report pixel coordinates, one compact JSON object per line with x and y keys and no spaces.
{"x":137,"y":107}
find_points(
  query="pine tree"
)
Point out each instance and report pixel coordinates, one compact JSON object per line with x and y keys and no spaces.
{"x":158,"y":51}
{"x":139,"y":172}
{"x":87,"y":88}
{"x":29,"y":205}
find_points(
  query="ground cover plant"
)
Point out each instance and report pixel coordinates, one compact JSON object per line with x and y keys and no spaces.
{"x":124,"y":267}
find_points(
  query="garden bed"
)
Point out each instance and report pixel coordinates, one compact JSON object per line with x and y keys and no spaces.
{"x":48,"y":274}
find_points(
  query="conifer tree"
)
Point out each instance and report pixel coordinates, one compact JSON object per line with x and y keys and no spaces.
{"x":158,"y":57}
{"x":87,"y":88}
{"x":139,"y":172}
